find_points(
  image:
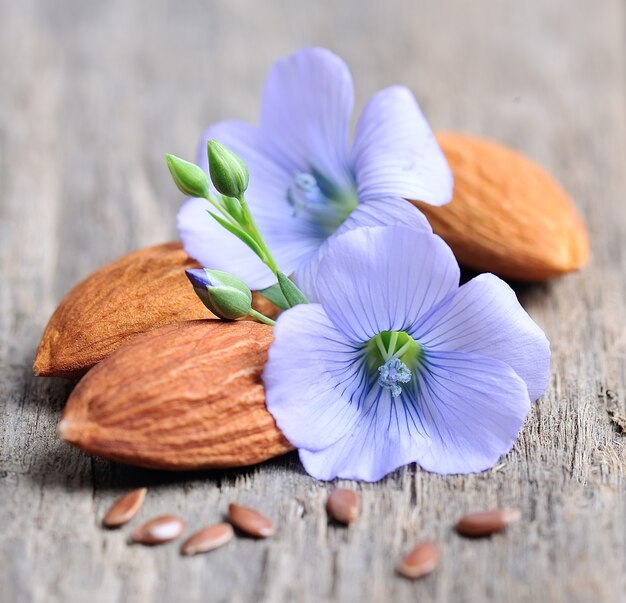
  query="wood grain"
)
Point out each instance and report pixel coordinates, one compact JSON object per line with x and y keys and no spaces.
{"x":92,"y":94}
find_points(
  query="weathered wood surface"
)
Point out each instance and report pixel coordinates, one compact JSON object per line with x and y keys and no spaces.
{"x":92,"y":94}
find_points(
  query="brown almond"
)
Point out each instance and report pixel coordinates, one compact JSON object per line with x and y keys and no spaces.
{"x":250,"y":521}
{"x":207,"y":539}
{"x":420,"y":561}
{"x":508,"y":216}
{"x":485,"y":523}
{"x":186,"y":396}
{"x":343,"y":505}
{"x":139,"y":292}
{"x":159,"y":530}
{"x":124,"y":508}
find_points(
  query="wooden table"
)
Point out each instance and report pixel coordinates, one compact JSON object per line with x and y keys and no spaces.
{"x":92,"y":94}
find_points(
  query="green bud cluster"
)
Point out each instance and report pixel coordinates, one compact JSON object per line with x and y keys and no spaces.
{"x":222,"y":293}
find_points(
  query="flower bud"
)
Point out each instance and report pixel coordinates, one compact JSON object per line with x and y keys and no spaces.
{"x":224,"y":294}
{"x":188,"y":177}
{"x":229,"y":173}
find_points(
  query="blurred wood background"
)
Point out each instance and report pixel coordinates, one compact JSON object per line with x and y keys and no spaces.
{"x":92,"y":94}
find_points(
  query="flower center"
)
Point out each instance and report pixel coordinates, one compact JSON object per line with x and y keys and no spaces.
{"x":393,"y":374}
{"x":315,"y":198}
{"x":393,"y":355}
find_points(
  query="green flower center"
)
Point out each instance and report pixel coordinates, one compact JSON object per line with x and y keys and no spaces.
{"x":393,"y":356}
{"x":314,"y":197}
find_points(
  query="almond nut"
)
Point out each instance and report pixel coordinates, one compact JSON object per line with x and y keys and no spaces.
{"x":508,"y":216}
{"x":139,"y":292}
{"x":185,"y":396}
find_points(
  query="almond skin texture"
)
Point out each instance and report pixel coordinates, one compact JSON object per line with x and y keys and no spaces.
{"x":139,"y":292}
{"x":186,"y":396}
{"x":508,"y":216}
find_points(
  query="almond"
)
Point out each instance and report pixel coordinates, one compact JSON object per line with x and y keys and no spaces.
{"x":185,"y":396}
{"x":508,"y":216}
{"x":141,"y":291}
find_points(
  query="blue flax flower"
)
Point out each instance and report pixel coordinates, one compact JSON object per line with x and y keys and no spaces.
{"x":398,"y":364}
{"x":307,"y":183}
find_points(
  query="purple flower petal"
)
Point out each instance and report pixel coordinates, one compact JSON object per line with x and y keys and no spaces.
{"x":472,"y":409}
{"x":384,"y":278}
{"x":379,"y":212}
{"x":456,"y":408}
{"x":395,"y":152}
{"x":305,"y":275}
{"x":387,"y":435}
{"x":311,"y":378}
{"x":303,"y":133}
{"x":305,"y":114}
{"x":484,"y":317}
{"x":462,"y":414}
{"x":386,"y":211}
{"x":465,"y":412}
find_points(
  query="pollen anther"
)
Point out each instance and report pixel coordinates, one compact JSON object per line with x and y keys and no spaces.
{"x":393,"y":374}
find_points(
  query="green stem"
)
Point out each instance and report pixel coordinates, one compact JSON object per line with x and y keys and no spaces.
{"x":261,"y":318}
{"x":256,"y":233}
{"x":217,"y":206}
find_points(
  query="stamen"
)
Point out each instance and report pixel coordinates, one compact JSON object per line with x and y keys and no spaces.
{"x":392,"y":374}
{"x":304,"y":192}
{"x":315,"y":198}
{"x":393,"y":356}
